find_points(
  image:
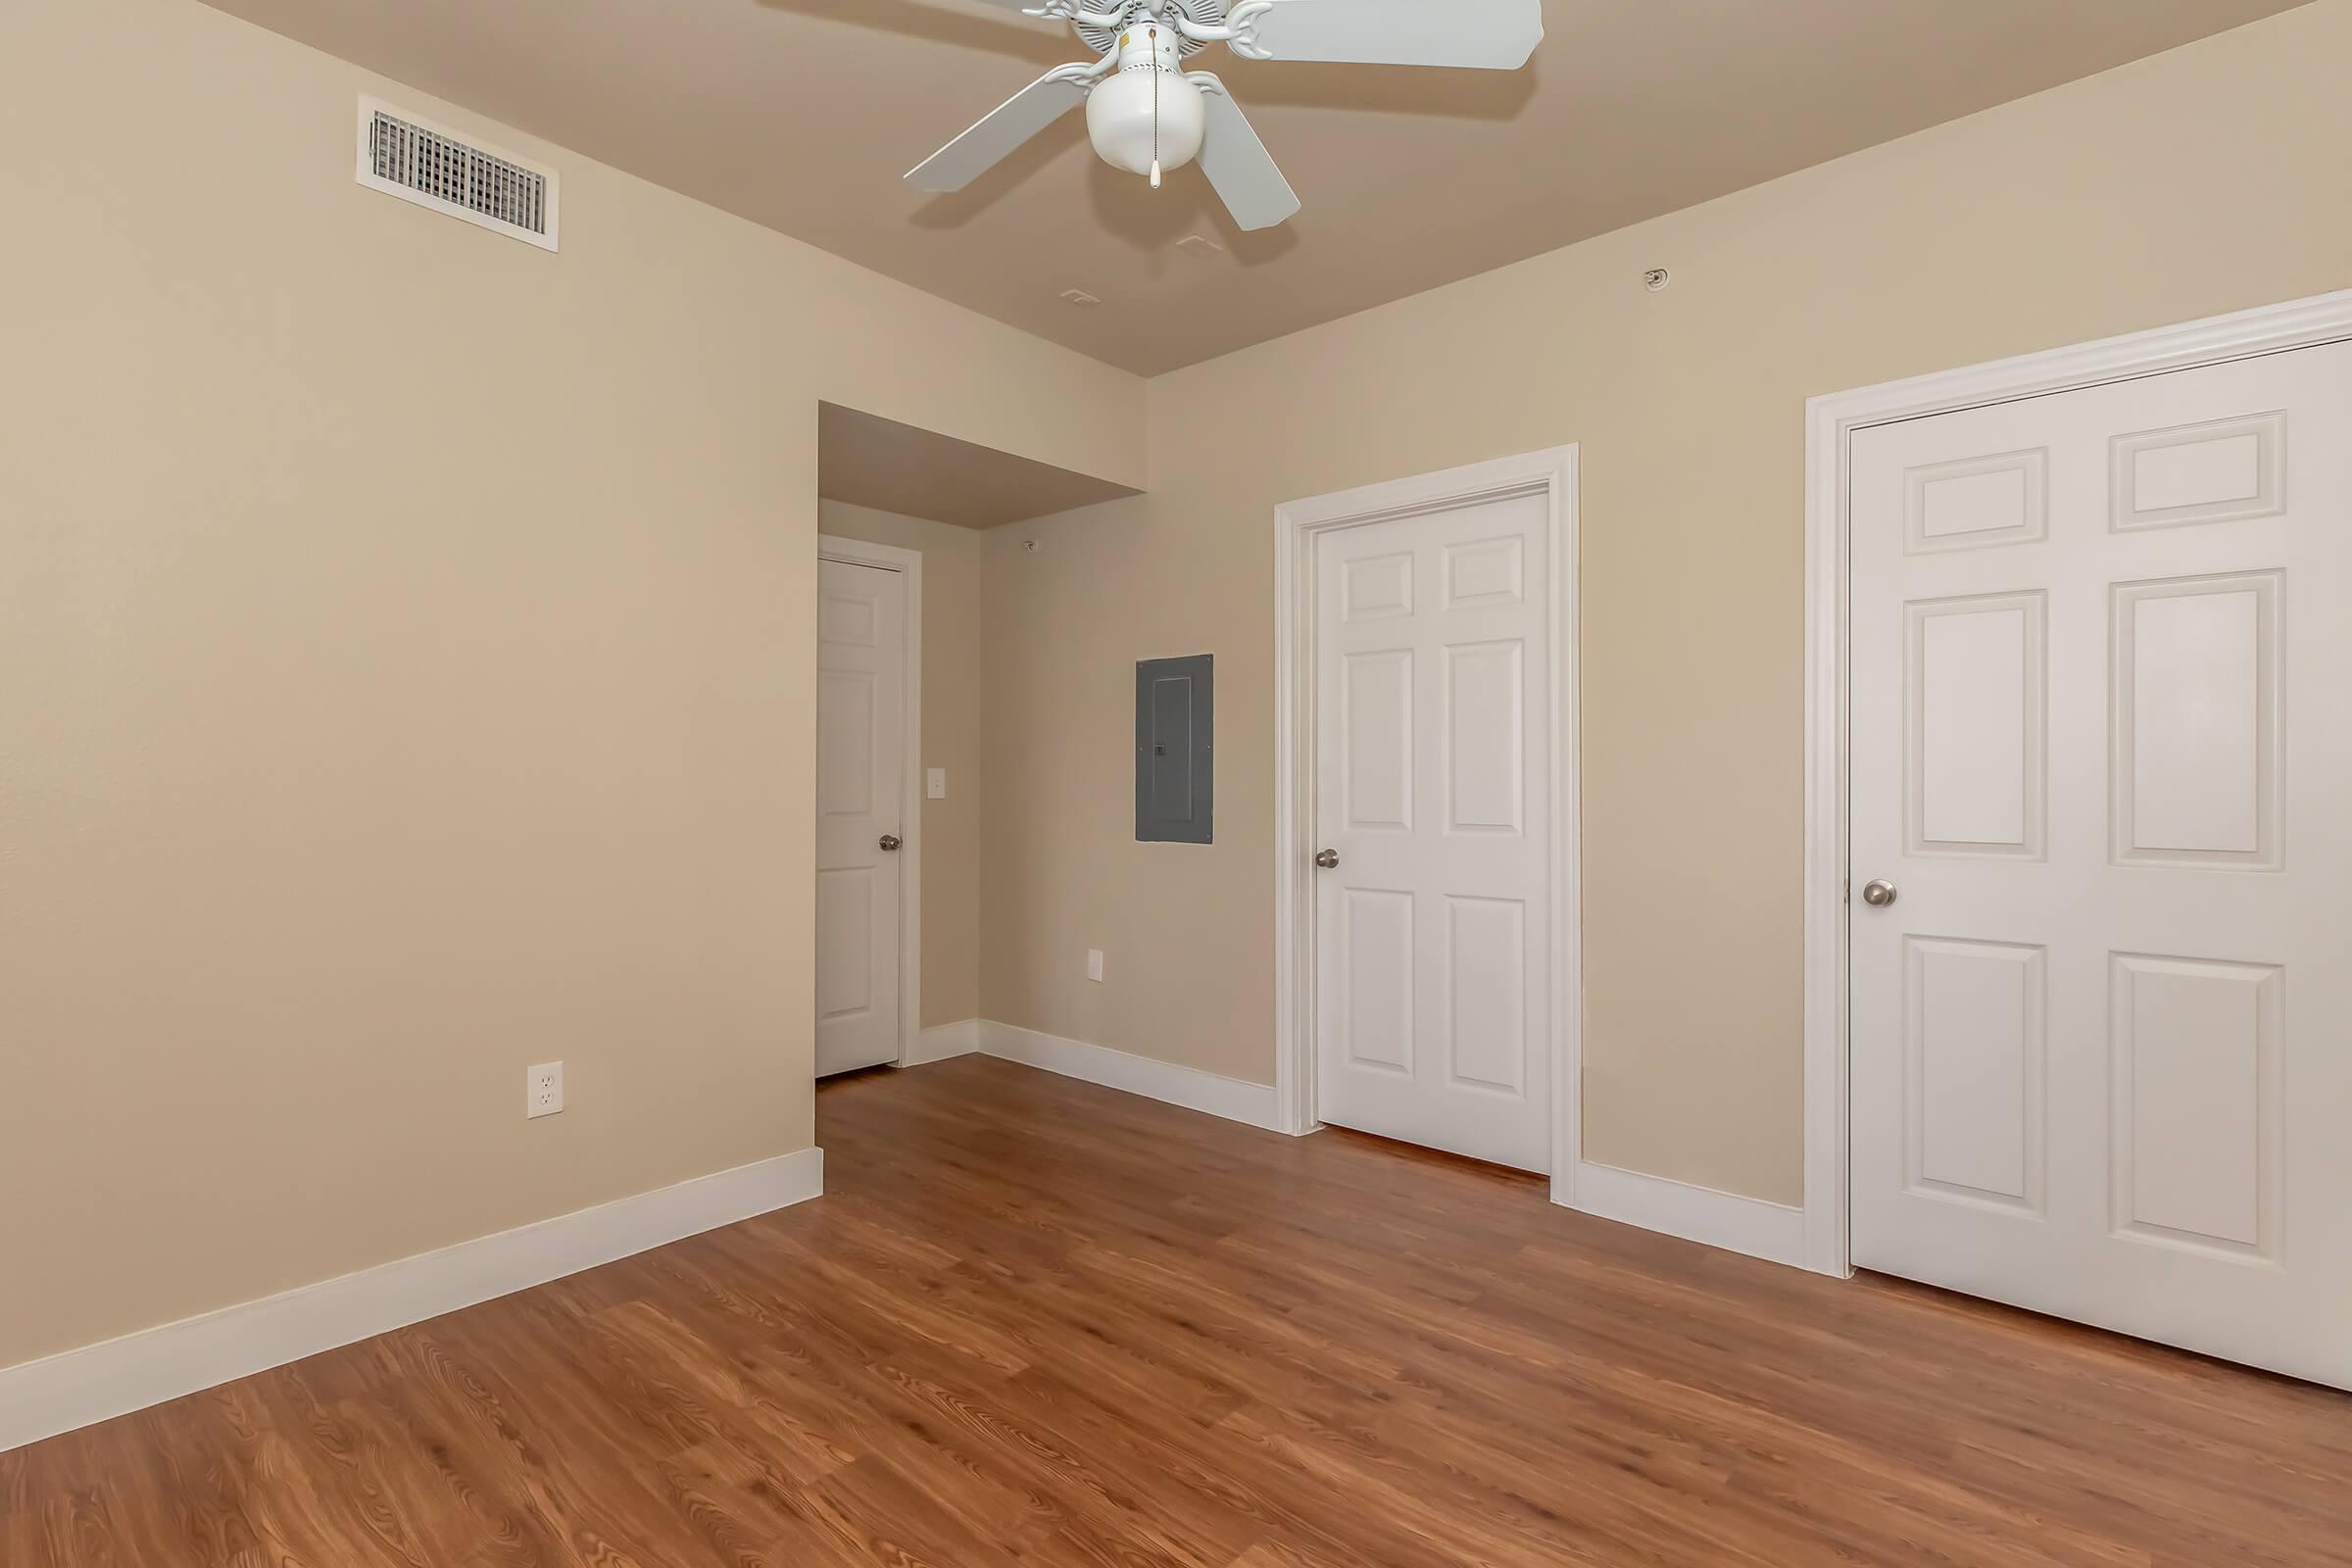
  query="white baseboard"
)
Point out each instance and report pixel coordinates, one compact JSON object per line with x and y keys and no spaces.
{"x":944,"y":1040}
{"x":99,"y":1382}
{"x":1774,"y":1232}
{"x":1257,"y":1105}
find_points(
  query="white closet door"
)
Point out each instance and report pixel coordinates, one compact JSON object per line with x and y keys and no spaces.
{"x":860,"y":776}
{"x":1432,"y":697}
{"x":2102,"y":753}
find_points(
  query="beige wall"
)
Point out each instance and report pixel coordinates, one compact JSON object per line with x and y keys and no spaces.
{"x":403,"y":654}
{"x":405,"y":671}
{"x":2196,"y":182}
{"x":955,"y":688}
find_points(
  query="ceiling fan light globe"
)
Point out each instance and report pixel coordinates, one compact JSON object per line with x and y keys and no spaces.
{"x":1137,"y":116}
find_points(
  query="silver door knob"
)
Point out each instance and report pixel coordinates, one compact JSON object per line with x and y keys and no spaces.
{"x":1328,"y":860}
{"x":889,"y":844}
{"x":1878,"y":895}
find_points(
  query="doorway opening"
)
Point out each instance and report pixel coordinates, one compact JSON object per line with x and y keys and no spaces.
{"x":901,"y":695}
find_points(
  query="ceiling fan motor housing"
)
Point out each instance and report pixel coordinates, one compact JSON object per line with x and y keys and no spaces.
{"x":1146,"y":113}
{"x":1200,"y":13}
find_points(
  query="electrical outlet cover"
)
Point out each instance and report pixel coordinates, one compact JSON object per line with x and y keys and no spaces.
{"x":1093,"y":964}
{"x":543,"y":1090}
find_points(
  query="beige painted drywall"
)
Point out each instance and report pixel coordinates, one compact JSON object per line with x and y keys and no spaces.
{"x":405,"y":671}
{"x":2204,"y":180}
{"x":954,"y":687}
{"x":884,"y":466}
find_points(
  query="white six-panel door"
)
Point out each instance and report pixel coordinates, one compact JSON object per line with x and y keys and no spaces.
{"x":1433,"y":789}
{"x":2101,"y":750}
{"x":861,"y":762}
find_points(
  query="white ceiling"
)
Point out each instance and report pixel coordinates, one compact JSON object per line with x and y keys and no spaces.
{"x":803,"y":114}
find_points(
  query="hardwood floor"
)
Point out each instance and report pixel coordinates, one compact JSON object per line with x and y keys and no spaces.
{"x":1036,"y":1322}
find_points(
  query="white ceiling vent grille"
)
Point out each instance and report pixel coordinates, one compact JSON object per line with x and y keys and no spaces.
{"x":419,"y":162}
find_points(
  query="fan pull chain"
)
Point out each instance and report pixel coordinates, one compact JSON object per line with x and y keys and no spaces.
{"x":1156,"y":75}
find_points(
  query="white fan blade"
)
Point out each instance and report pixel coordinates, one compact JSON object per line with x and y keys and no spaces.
{"x":1238,"y":164}
{"x":1488,"y":35}
{"x":1003,"y":130}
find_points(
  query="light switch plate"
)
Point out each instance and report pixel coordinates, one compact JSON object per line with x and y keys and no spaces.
{"x":938,"y":783}
{"x":1093,"y":964}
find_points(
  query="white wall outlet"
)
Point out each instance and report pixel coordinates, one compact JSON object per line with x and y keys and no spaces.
{"x":939,"y":784}
{"x":1093,"y":964}
{"x":543,"y":1090}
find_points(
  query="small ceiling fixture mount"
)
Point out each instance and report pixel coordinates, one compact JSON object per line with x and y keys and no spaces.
{"x":1149,"y":115}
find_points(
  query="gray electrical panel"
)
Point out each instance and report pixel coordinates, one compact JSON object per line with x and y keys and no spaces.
{"x":1175,"y":738}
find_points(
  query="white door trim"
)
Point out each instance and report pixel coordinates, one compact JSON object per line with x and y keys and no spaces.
{"x":1830,"y":423}
{"x":1553,"y":474}
{"x":908,"y":564}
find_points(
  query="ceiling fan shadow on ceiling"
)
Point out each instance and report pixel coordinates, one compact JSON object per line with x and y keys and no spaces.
{"x":1146,"y":115}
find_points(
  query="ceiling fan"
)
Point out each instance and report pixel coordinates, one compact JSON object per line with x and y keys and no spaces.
{"x":1146,"y":115}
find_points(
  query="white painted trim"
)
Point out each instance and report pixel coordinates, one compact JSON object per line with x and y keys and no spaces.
{"x":1205,"y":1092}
{"x":1774,"y":1232}
{"x":942,"y":1040}
{"x":1830,"y":425}
{"x":910,"y":564}
{"x":99,"y":1382}
{"x":1296,"y":524}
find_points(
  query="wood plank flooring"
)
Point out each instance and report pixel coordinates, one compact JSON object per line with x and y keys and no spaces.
{"x":1034,"y":1322}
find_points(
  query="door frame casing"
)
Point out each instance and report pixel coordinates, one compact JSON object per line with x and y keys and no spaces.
{"x":908,"y":565}
{"x":1830,"y":423}
{"x":1298,"y":525}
